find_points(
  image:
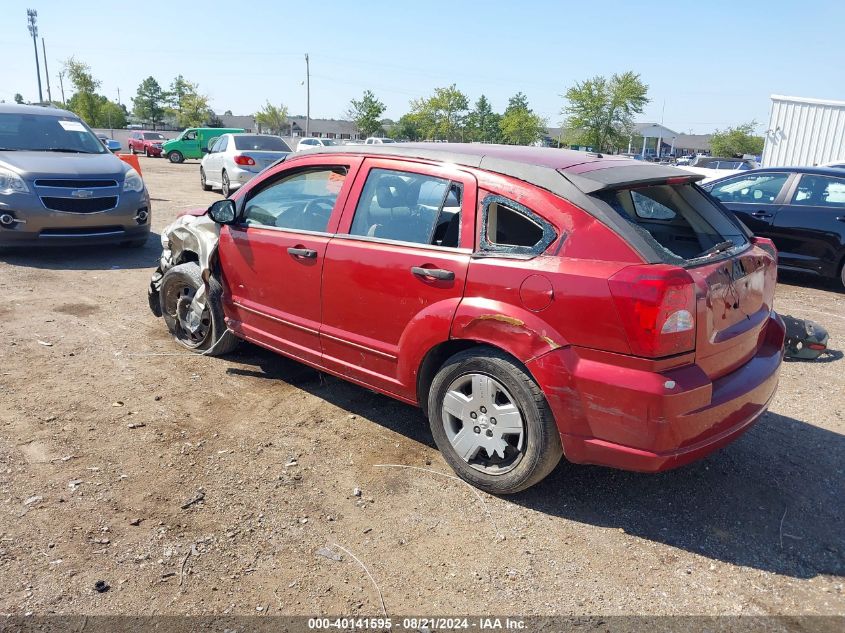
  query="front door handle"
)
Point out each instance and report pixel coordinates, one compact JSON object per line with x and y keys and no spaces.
{"x":302,"y":252}
{"x":761,"y":214}
{"x":841,"y":218}
{"x":433,"y":273}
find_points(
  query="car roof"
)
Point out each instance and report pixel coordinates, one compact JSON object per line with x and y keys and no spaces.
{"x":15,"y":108}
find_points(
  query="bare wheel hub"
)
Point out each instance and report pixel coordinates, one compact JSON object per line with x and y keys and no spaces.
{"x":483,"y":423}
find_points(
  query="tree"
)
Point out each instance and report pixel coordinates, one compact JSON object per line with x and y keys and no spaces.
{"x":228,"y":113}
{"x":84,"y":101}
{"x":272,"y":118}
{"x":186,"y":104}
{"x":441,"y":116}
{"x":150,"y":101}
{"x":366,"y":113}
{"x":212,"y":120}
{"x":406,"y":129}
{"x":603,"y":110}
{"x":519,"y":124}
{"x":735,"y":141}
{"x":482,"y":124}
{"x":18,"y":97}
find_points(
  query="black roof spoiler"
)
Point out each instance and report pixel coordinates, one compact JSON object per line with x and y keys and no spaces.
{"x":620,"y":177}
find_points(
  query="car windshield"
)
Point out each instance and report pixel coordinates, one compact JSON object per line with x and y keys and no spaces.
{"x":261,"y":143}
{"x":40,"y":133}
{"x":153,"y":136}
{"x":328,"y":141}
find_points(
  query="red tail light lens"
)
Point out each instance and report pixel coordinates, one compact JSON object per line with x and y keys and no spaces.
{"x":656,"y":305}
{"x":767,"y":245}
{"x":244,"y":160}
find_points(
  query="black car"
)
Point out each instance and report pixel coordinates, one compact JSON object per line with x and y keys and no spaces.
{"x":801,"y":209}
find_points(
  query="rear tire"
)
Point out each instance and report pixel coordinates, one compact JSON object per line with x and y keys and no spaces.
{"x":224,"y":184}
{"x":203,"y":183}
{"x":176,"y":157}
{"x":842,"y":276}
{"x":526,"y":460}
{"x":178,"y":287}
{"x":147,"y":152}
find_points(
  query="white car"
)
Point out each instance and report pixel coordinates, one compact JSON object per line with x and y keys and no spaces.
{"x":311,"y":142}
{"x":235,"y":159}
{"x":377,"y":140}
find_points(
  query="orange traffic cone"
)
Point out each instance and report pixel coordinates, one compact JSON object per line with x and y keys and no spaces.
{"x":131,"y":159}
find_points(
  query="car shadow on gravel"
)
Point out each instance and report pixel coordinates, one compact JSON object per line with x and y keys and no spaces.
{"x":384,"y":411}
{"x":90,"y":257}
{"x":774,"y":500}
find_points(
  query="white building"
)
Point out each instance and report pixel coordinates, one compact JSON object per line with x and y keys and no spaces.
{"x":804,"y":132}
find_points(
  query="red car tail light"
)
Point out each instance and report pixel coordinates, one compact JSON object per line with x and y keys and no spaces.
{"x":767,"y":245}
{"x":244,"y":160}
{"x":656,"y":305}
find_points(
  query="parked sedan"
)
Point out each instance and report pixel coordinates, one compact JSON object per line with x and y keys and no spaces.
{"x":534,"y":302}
{"x":801,"y":209}
{"x":312,"y":142}
{"x":235,"y":159}
{"x":109,"y":143}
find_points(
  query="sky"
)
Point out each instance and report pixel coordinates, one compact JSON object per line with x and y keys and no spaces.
{"x":709,"y":64}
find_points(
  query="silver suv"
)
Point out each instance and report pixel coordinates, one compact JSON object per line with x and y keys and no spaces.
{"x":60,"y":186}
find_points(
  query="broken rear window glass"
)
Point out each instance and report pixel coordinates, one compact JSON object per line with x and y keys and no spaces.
{"x":679,"y":220}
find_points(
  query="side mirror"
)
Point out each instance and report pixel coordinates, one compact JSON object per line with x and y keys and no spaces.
{"x":222,"y":211}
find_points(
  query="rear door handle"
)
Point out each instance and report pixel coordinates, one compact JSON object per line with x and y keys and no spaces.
{"x":841,"y":218}
{"x":302,"y":252}
{"x":761,"y":214}
{"x":433,"y":273}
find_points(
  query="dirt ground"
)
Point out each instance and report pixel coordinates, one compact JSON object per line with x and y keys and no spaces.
{"x":109,"y":430}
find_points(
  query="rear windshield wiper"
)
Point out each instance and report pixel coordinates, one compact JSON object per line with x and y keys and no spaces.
{"x":718,"y":248}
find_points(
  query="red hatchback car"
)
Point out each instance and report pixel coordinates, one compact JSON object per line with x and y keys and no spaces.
{"x":534,"y":302}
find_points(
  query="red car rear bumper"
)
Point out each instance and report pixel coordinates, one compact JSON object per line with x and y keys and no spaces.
{"x":623,"y":416}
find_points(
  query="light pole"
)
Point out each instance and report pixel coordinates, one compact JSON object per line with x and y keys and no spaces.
{"x":31,"y":15}
{"x":46,"y":71}
{"x":307,"y":97}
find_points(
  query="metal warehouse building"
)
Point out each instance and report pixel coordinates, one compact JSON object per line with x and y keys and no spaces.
{"x":804,"y":132}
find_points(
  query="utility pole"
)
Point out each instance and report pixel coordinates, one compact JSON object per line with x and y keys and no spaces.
{"x":31,"y":15}
{"x":62,"y":85}
{"x":46,"y":71}
{"x":307,"y":97}
{"x":118,"y":96}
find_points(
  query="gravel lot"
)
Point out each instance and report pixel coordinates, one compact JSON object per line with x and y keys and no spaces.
{"x":108,"y":431}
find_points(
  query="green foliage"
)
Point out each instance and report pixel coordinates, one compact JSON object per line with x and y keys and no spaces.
{"x":482,"y":124}
{"x":212,"y":120}
{"x":441,"y":116}
{"x":18,"y":97}
{"x":186,"y":104}
{"x":84,"y":102}
{"x":519,"y":124}
{"x":272,"y":118}
{"x":150,"y":101}
{"x":406,"y":129}
{"x":735,"y":141}
{"x":366,"y":113}
{"x":603,"y":110}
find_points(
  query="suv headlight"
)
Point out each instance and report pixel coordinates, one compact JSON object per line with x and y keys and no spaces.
{"x":10,"y":182}
{"x":133,"y":181}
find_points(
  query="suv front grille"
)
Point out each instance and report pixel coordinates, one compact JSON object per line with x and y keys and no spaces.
{"x":76,"y":184}
{"x":79,"y":205}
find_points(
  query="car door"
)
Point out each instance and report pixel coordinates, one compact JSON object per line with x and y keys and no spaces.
{"x":211,"y":161}
{"x":394,"y":274}
{"x":272,"y":259}
{"x":191,"y":145}
{"x":754,"y":197}
{"x":810,"y":227}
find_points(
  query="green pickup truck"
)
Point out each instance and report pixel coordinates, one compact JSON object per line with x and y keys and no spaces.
{"x":194,"y":142}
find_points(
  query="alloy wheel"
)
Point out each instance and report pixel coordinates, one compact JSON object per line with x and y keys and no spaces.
{"x":483,"y":424}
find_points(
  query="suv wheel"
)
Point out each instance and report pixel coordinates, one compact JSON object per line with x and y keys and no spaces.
{"x":203,"y":183}
{"x":197,"y":332}
{"x":175,"y":157}
{"x":491,"y":422}
{"x":147,"y":152}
